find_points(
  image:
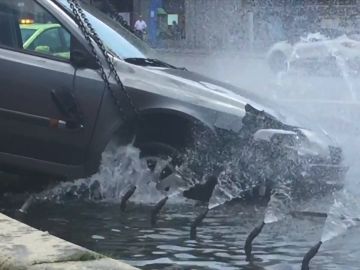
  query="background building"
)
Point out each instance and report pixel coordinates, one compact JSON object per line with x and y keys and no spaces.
{"x":166,"y":21}
{"x":242,"y":24}
{"x":231,"y":24}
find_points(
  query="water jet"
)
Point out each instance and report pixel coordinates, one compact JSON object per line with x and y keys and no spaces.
{"x":309,"y":255}
{"x":248,"y":243}
{"x":25,"y":207}
{"x":126,"y":197}
{"x":156,"y":210}
{"x":196,"y":223}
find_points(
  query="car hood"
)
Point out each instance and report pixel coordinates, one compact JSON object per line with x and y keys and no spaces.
{"x":193,"y":88}
{"x":202,"y":91}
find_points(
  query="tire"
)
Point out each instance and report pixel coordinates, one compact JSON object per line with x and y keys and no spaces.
{"x":162,"y":159}
{"x":277,"y":62}
{"x":169,"y":180}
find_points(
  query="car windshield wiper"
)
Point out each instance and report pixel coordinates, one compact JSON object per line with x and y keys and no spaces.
{"x":150,"y":62}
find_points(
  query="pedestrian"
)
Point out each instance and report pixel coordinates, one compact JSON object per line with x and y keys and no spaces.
{"x":140,"y":27}
{"x":175,"y":30}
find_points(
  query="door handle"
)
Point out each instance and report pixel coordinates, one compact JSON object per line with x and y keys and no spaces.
{"x":67,"y":104}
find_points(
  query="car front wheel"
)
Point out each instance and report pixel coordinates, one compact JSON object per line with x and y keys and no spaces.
{"x":162,"y":160}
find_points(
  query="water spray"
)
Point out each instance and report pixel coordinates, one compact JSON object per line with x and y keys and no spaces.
{"x":309,"y":255}
{"x":196,"y":223}
{"x":248,"y":243}
{"x":25,"y":207}
{"x":311,"y":214}
{"x":126,"y":197}
{"x":156,"y":210}
{"x":207,"y":189}
{"x":276,"y":209}
{"x":20,"y":213}
{"x":257,"y":230}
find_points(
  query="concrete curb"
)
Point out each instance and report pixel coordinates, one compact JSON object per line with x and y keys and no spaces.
{"x":23,"y":247}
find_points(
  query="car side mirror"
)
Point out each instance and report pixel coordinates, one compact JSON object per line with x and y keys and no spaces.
{"x":80,"y":57}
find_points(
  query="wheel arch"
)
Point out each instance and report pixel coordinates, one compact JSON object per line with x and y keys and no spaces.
{"x":125,"y":133}
{"x":172,"y":126}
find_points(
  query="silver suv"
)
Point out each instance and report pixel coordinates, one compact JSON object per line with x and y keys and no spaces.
{"x":58,"y":111}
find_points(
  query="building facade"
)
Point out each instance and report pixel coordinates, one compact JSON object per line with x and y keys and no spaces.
{"x":231,"y":24}
{"x":242,"y":24}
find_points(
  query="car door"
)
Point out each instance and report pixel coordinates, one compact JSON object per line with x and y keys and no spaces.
{"x":45,"y":112}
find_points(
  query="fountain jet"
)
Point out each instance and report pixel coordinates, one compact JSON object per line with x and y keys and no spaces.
{"x":23,"y":211}
{"x":309,"y":255}
{"x":248,"y":244}
{"x":25,"y":207}
{"x":196,"y":223}
{"x":308,"y":214}
{"x":156,"y":210}
{"x":126,"y":197}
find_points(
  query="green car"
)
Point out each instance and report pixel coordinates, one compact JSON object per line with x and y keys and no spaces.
{"x":46,"y":38}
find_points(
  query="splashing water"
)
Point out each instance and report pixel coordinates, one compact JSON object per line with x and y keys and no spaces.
{"x":235,"y":183}
{"x":332,"y":50}
{"x":345,"y":212}
{"x":226,"y":189}
{"x":345,"y":71}
{"x":121,"y":168}
{"x":279,"y":205}
{"x":343,"y":215}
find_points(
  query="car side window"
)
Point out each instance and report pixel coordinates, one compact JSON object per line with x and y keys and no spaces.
{"x":51,"y":41}
{"x":30,"y":27}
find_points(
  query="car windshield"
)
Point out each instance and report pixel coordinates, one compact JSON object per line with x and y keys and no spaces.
{"x":116,"y":38}
{"x":26,"y":34}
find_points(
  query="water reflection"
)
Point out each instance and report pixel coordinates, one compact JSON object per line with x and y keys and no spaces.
{"x":130,"y":237}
